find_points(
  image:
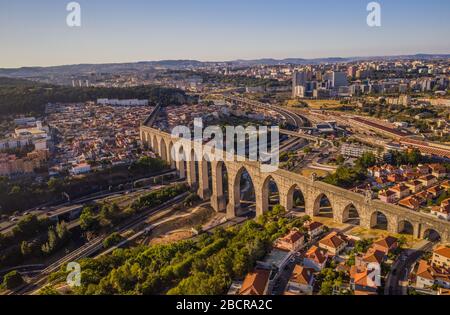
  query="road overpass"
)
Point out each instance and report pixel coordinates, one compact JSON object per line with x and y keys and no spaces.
{"x":295,"y":119}
{"x":341,"y":200}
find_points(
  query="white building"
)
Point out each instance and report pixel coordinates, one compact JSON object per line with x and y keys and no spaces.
{"x":116,"y":102}
{"x":81,"y":169}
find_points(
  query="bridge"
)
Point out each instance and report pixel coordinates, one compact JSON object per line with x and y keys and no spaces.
{"x":208,"y":169}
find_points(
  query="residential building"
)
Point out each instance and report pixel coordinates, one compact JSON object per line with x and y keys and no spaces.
{"x":441,"y":257}
{"x":442,"y":211}
{"x":412,"y":202}
{"x":301,"y":281}
{"x":428,"y":276}
{"x":315,"y":258}
{"x":400,"y":190}
{"x":333,"y":243}
{"x":364,"y":281}
{"x":255,"y":283}
{"x":314,"y":229}
{"x":386,"y":244}
{"x":292,"y":242}
{"x":428,"y":180}
{"x":387,"y":196}
{"x":414,"y":186}
{"x":439,"y":171}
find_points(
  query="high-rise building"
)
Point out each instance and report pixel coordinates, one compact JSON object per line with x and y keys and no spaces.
{"x":299,"y":91}
{"x":299,"y":78}
{"x":339,"y":79}
{"x":351,"y":71}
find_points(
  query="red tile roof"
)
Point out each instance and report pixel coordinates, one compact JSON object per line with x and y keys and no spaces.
{"x":255,"y":282}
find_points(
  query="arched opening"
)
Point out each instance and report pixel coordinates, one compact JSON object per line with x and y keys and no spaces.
{"x":296,"y":200}
{"x":379,"y":221}
{"x":244,"y":194}
{"x":322,"y":207}
{"x":209,"y":174}
{"x":220,"y":187}
{"x":432,"y":235}
{"x":204,"y":178}
{"x":172,"y":155}
{"x":155,"y":145}
{"x":405,"y":227}
{"x":193,"y":170}
{"x":351,"y":215}
{"x":270,"y":194}
{"x":145,"y":139}
{"x":181,"y":163}
{"x":163,"y":150}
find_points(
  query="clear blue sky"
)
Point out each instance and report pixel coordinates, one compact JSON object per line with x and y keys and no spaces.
{"x":34,"y":33}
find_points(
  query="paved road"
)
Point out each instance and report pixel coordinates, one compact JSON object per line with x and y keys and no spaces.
{"x":402,"y":266}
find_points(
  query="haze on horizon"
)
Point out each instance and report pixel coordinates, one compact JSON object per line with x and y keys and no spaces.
{"x":36,"y":34}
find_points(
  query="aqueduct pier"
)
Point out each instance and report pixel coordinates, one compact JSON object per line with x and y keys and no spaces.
{"x":206,"y":177}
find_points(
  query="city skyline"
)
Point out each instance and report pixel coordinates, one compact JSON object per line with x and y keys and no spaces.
{"x":177,"y":30}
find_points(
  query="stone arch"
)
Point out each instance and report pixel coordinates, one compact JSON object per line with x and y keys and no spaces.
{"x":295,"y":199}
{"x":220,"y":196}
{"x":405,"y":227}
{"x":204,"y":178}
{"x":172,"y":155}
{"x":351,"y":215}
{"x":145,"y":139}
{"x":163,"y":150}
{"x":248,"y":192}
{"x":193,"y":169}
{"x":322,"y":206}
{"x":269,"y":197}
{"x":181,"y":162}
{"x":379,"y":220}
{"x":155,"y":145}
{"x":432,"y":235}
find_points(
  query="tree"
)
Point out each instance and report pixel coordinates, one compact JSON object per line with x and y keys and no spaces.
{"x":190,"y":200}
{"x":368,"y":159}
{"x":62,"y":232}
{"x":12,"y":280}
{"x":111,"y":213}
{"x":52,"y":242}
{"x":113,"y":239}
{"x":55,"y":185}
{"x":48,"y":290}
{"x":340,"y":159}
{"x":29,"y":226}
{"x":26,"y":248}
{"x":88,"y":221}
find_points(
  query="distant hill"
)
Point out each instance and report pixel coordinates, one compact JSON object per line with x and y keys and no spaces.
{"x":32,"y":72}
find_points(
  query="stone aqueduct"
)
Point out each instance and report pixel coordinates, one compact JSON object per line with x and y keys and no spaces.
{"x":341,"y":200}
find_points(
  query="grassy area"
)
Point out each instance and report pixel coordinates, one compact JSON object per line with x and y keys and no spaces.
{"x":365,"y":234}
{"x":362,"y":233}
{"x":307,"y":172}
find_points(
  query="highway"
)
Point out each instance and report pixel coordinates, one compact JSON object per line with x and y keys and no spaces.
{"x":295,"y":119}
